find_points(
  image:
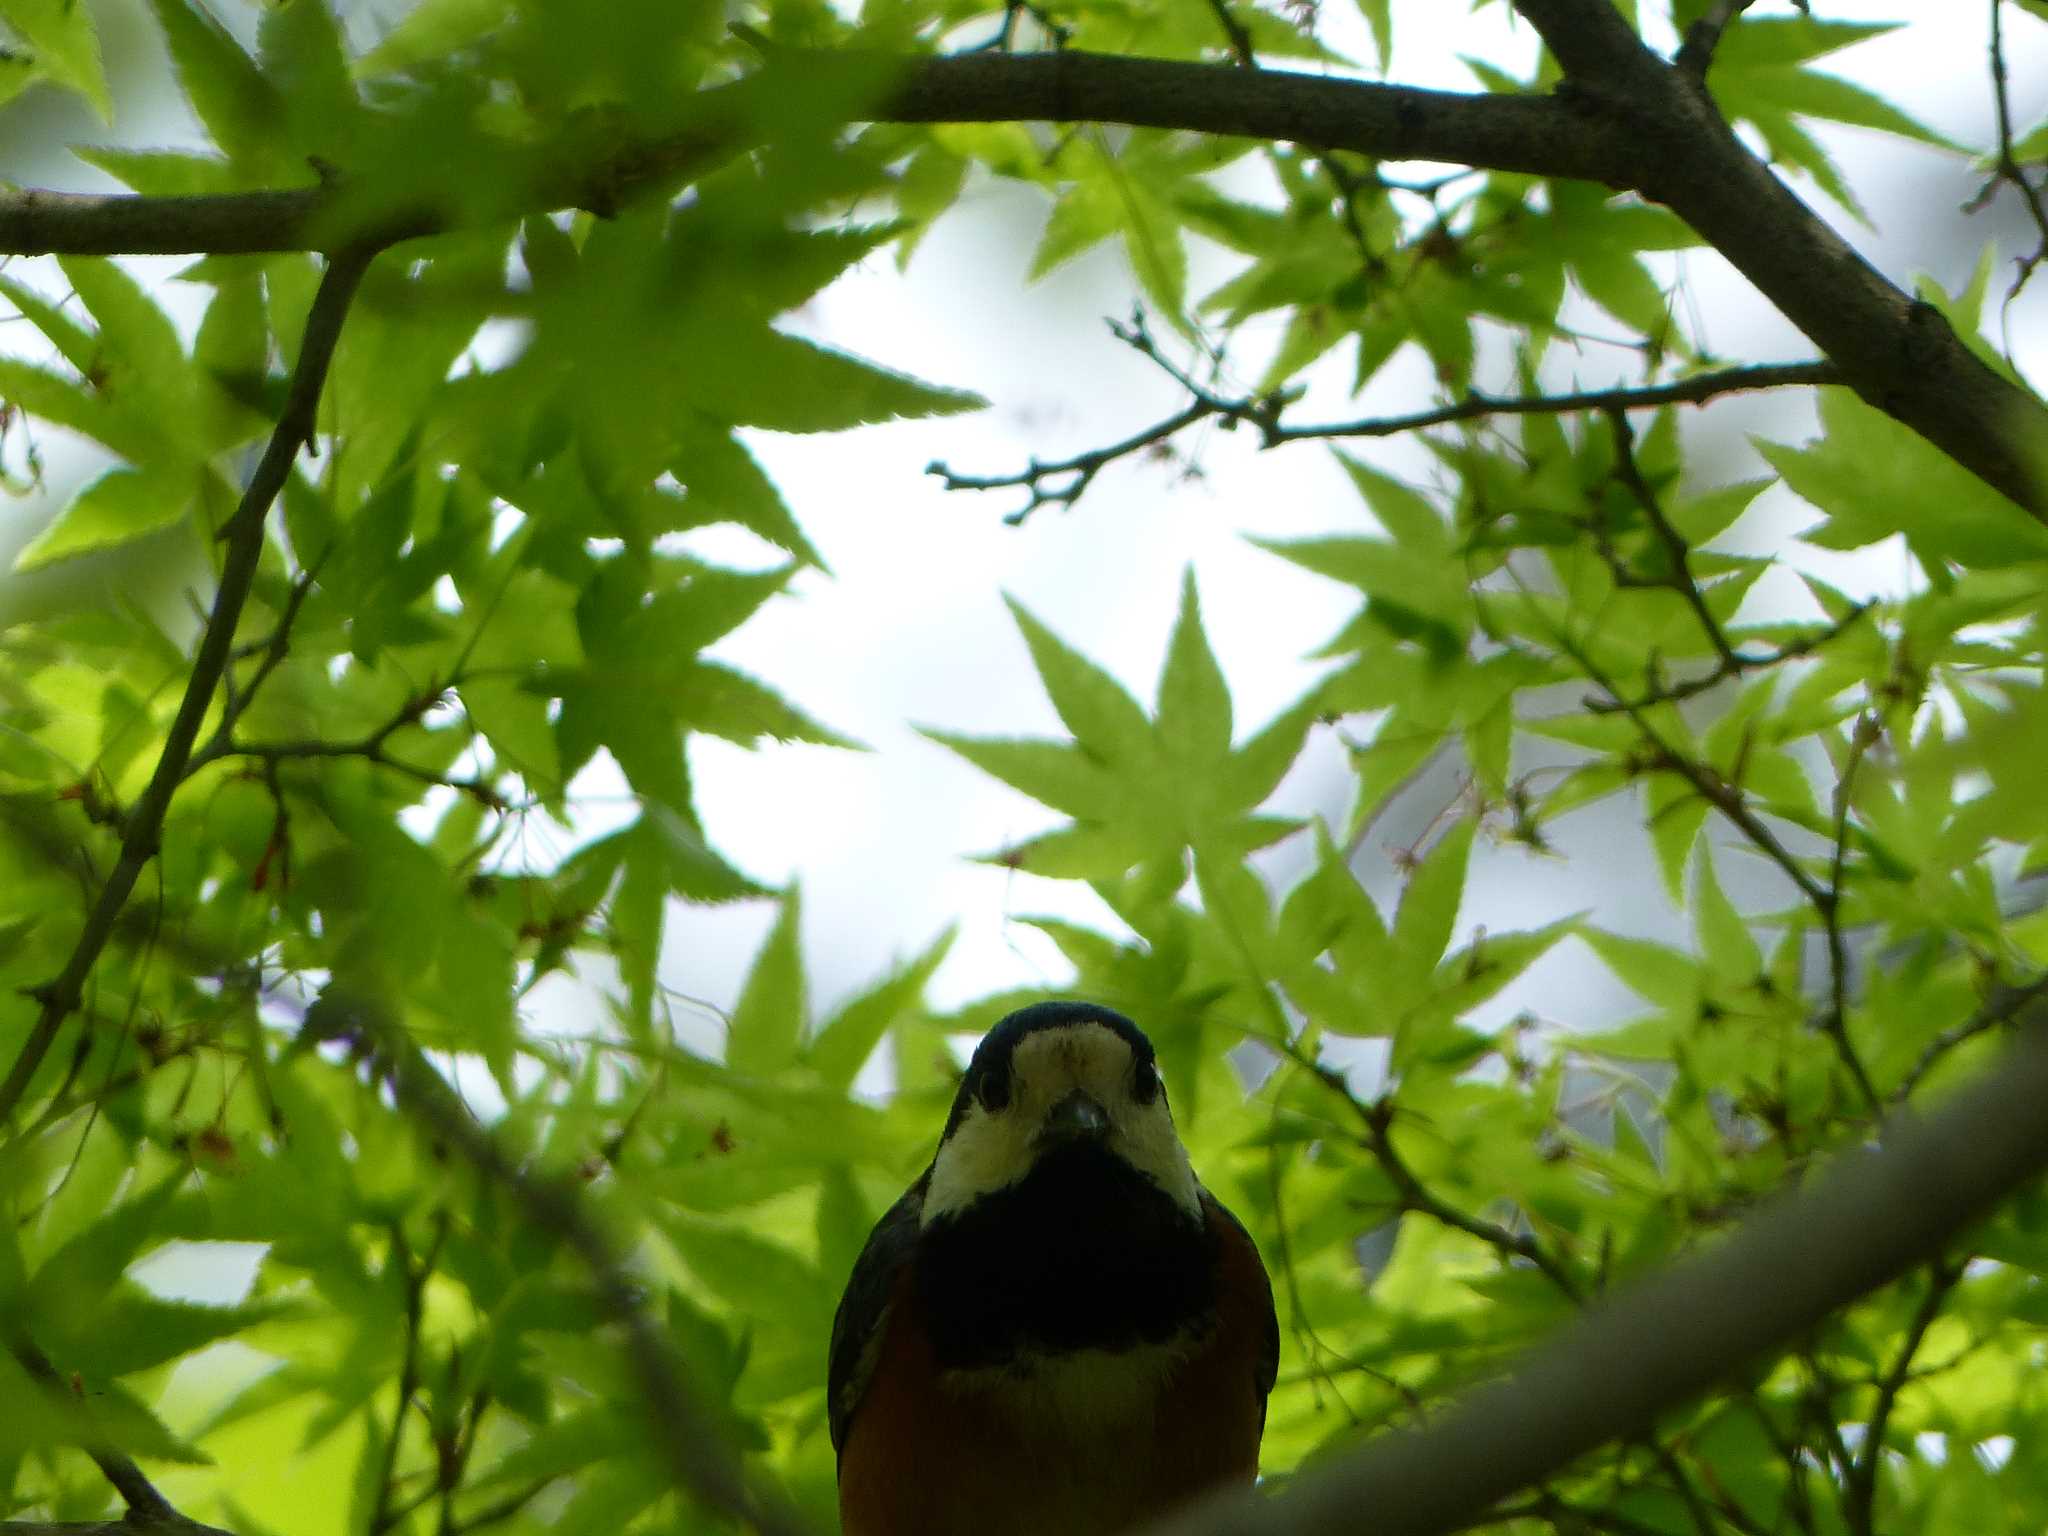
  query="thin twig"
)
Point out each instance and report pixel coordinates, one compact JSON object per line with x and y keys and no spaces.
{"x":1676,"y":549}
{"x":1705,"y":780}
{"x":148,"y":1512}
{"x":1870,"y":1217}
{"x":1240,"y":38}
{"x":1734,"y":665}
{"x":60,"y":996}
{"x":1063,"y":481}
{"x":2002,"y":1007}
{"x":2007,"y":170}
{"x":1416,"y":1196}
{"x":414,"y":1280}
{"x":1836,"y":1023}
{"x":1861,"y":1498}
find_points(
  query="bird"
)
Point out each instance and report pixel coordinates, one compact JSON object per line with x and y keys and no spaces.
{"x":1057,"y":1330}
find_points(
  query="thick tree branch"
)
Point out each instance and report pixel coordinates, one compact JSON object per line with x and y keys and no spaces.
{"x":1874,"y":1215}
{"x":1897,"y":352}
{"x":1388,"y":122}
{"x":1627,"y":119}
{"x":243,"y":535}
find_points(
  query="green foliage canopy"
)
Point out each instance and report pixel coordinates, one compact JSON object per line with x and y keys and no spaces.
{"x":475,"y":590}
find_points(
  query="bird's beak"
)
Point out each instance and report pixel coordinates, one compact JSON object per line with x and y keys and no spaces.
{"x":1077,"y":1117}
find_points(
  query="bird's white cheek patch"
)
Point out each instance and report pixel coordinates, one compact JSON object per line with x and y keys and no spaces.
{"x":993,"y":1149}
{"x":987,"y":1153}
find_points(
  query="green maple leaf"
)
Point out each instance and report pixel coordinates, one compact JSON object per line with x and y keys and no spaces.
{"x":1140,"y":789}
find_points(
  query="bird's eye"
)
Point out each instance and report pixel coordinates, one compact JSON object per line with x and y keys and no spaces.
{"x":993,"y":1091}
{"x":1145,"y":1082}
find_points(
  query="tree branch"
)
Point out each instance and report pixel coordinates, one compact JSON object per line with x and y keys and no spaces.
{"x":1062,"y":482}
{"x":1388,"y":122}
{"x":1696,"y":54}
{"x":1861,"y":1499}
{"x":1590,"y":39}
{"x":1870,"y":1218}
{"x":149,"y":1512}
{"x":243,"y":534}
{"x":1628,"y":120}
{"x":2002,"y":1007}
{"x":2006,"y":168}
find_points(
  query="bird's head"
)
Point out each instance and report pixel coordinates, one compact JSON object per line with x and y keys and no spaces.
{"x":1057,"y":1080}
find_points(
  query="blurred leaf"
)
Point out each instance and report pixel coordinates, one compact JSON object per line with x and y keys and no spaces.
{"x":769,"y":1019}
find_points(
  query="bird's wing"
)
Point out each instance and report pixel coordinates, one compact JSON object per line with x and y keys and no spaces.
{"x":863,"y":1314}
{"x":1244,"y":1278}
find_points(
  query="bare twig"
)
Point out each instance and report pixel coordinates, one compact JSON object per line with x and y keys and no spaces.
{"x":1861,"y":1498}
{"x":1377,"y":1118}
{"x":2006,"y":168}
{"x":1680,"y":578}
{"x":149,"y":1513}
{"x":1063,"y":481}
{"x":1734,"y":665}
{"x":413,"y":1280}
{"x":1236,"y":34}
{"x":136,"y":1490}
{"x":2004,"y":1005}
{"x":243,"y":535}
{"x":1836,"y":1022}
{"x":1706,"y":781}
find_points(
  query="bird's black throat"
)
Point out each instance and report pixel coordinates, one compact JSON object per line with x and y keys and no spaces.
{"x":1084,"y":1252}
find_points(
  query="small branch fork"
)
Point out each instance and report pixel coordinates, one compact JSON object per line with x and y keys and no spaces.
{"x":2006,"y":170}
{"x":149,"y":1512}
{"x":1696,"y":55}
{"x":1062,"y":482}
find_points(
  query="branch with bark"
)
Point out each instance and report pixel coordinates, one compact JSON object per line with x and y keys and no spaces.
{"x":1624,"y":117}
{"x":1063,"y":482}
{"x":1873,"y":1216}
